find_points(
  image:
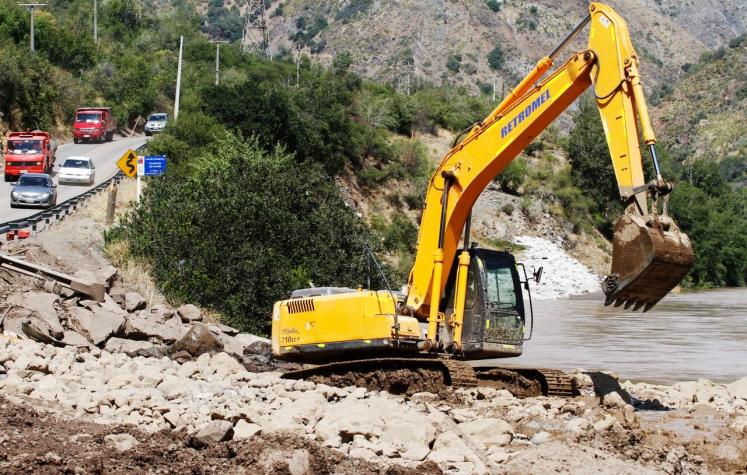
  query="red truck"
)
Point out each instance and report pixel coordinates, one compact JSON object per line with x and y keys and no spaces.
{"x":28,"y":152}
{"x":93,"y":124}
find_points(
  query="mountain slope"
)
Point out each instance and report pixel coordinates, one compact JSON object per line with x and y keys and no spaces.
{"x":449,"y":41}
{"x":705,"y":114}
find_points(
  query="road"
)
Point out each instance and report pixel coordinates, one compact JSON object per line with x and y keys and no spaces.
{"x":104,"y":156}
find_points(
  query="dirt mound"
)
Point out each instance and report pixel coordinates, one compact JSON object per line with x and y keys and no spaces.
{"x":38,"y":443}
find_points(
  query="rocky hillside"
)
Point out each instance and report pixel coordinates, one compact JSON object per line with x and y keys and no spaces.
{"x":705,"y":114}
{"x":450,"y":41}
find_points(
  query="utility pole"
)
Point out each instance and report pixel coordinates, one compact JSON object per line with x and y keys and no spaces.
{"x":95,"y":22}
{"x":494,"y":86}
{"x":217,"y":59}
{"x":298,"y":64}
{"x":178,"y":79}
{"x":32,"y":7}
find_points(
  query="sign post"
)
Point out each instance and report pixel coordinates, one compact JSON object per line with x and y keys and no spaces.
{"x":133,"y":166}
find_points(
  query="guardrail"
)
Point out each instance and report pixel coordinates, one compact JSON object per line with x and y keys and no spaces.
{"x":59,"y":211}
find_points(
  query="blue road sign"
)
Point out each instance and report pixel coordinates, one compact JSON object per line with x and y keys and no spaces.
{"x":154,"y":165}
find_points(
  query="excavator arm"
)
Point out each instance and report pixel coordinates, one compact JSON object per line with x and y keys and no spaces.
{"x":650,"y":255}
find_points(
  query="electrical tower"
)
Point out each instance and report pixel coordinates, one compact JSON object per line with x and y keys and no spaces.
{"x":256,"y":37}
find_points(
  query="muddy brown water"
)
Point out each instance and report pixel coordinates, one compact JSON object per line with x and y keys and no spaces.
{"x":685,"y":337}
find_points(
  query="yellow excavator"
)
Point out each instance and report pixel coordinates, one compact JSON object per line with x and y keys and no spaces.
{"x":468,"y":304}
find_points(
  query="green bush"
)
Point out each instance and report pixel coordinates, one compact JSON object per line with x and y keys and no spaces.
{"x":496,"y":58}
{"x":494,"y":5}
{"x":512,"y":177}
{"x":245,"y":230}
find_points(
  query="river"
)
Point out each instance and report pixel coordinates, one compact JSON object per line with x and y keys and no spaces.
{"x":685,"y":337}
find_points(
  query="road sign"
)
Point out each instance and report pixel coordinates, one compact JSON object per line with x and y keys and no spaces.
{"x":128,"y":163}
{"x":154,"y":165}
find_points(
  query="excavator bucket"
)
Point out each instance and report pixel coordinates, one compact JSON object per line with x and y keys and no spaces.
{"x":650,"y":257}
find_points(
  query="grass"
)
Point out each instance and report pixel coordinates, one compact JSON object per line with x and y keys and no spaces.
{"x":505,"y":245}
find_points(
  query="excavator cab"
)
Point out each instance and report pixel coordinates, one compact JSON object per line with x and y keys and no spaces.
{"x":495,"y":319}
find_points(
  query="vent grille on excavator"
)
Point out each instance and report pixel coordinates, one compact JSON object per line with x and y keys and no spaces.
{"x":301,"y":306}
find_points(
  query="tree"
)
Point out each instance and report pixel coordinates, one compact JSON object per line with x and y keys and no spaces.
{"x":496,"y":58}
{"x":246,"y":229}
{"x":591,"y":167}
{"x":494,"y":5}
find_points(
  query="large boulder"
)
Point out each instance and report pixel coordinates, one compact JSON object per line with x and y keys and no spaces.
{"x":133,"y":302}
{"x":140,"y":327}
{"x":97,"y":326}
{"x":197,"y":341}
{"x":120,"y":442}
{"x":133,"y":347}
{"x":42,"y":305}
{"x":408,"y":435}
{"x":488,"y":431}
{"x":189,"y":313}
{"x":448,"y":447}
{"x":104,"y":276}
{"x":297,"y":415}
{"x":212,"y":433}
{"x":247,"y":339}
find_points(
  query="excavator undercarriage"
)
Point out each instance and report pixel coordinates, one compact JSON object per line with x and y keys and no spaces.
{"x":413,"y":375}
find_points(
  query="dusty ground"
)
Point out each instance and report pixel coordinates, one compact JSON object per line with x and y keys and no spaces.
{"x":42,"y":443}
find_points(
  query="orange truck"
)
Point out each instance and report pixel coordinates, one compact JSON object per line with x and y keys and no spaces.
{"x":93,"y":124}
{"x":28,"y":152}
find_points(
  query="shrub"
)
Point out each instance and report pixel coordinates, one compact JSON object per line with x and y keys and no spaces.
{"x":496,"y":58}
{"x":246,"y":230}
{"x":494,"y":5}
{"x":453,"y":64}
{"x":512,"y":177}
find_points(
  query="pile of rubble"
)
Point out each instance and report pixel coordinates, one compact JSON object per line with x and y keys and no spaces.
{"x":121,"y":323}
{"x":214,"y":398}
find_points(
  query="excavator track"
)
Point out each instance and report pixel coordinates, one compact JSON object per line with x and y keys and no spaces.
{"x":527,"y":382}
{"x":411,"y":375}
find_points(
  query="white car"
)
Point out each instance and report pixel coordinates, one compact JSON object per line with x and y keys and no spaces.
{"x":156,"y":123}
{"x":78,"y":170}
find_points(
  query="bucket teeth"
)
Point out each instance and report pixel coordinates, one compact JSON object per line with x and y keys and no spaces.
{"x":629,"y":304}
{"x":619,"y":302}
{"x":638,"y":305}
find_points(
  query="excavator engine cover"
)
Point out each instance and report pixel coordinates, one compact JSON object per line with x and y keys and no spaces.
{"x":650,"y":256}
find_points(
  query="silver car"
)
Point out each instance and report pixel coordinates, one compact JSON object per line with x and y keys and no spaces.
{"x":156,"y":123}
{"x":79,"y":170}
{"x":33,"y":189}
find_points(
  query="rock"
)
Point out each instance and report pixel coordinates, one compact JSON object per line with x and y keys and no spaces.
{"x":738,"y":388}
{"x":42,"y":305}
{"x":225,"y":363}
{"x":260,"y":348}
{"x":189,"y":313}
{"x":578,"y":425}
{"x":133,"y":302}
{"x":245,"y":430}
{"x":490,"y":432}
{"x":212,"y":433}
{"x":247,"y":339}
{"x":174,"y":387}
{"x":613,"y":400}
{"x":605,"y":424}
{"x":197,"y":341}
{"x":220,"y":328}
{"x":304,"y":411}
{"x":540,"y":438}
{"x":120,"y":442}
{"x":133,"y":347}
{"x":448,"y":447}
{"x":96,"y":327}
{"x":297,"y":461}
{"x":104,"y":276}
{"x":231,"y":345}
{"x":161,"y":314}
{"x":138,"y":327}
{"x":74,"y":339}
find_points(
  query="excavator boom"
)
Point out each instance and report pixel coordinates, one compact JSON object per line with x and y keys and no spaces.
{"x":650,"y":255}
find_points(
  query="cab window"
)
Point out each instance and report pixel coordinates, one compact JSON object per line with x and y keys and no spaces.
{"x":500,"y":289}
